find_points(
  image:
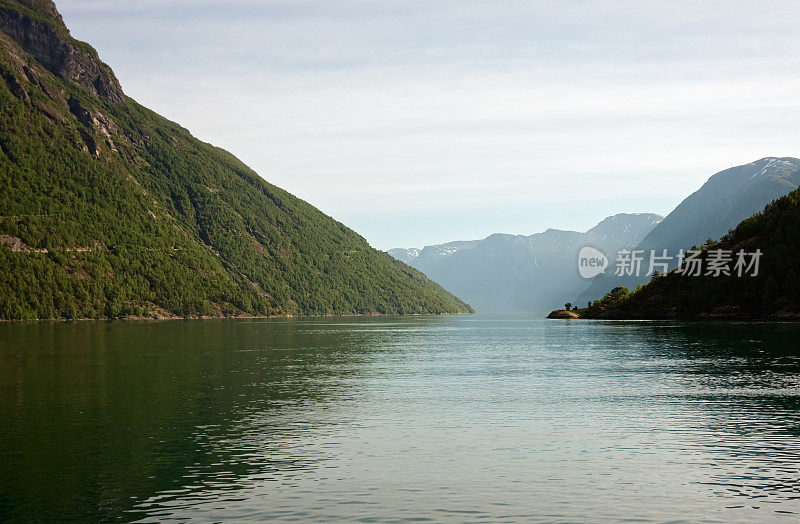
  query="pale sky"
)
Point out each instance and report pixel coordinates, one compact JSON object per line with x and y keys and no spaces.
{"x":417,"y":122}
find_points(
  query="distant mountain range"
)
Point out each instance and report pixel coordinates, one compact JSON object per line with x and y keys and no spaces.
{"x":727,"y":198}
{"x":507,"y":273}
{"x":109,"y":210}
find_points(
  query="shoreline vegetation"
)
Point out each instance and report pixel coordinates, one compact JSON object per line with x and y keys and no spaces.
{"x":720,"y":314}
{"x":160,"y":318}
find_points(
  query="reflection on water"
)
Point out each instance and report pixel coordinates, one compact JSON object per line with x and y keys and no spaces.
{"x":468,"y":418}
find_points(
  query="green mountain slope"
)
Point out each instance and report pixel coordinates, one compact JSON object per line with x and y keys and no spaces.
{"x":773,"y":294}
{"x":109,"y":210}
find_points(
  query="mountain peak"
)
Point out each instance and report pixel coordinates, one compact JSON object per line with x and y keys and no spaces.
{"x":630,"y":217}
{"x":623,"y":223}
{"x":781,"y":159}
{"x":727,"y":198}
{"x":46,"y":8}
{"x":771,"y":166}
{"x":37,"y":27}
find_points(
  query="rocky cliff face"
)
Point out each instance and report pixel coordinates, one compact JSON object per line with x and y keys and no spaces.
{"x":38,"y":28}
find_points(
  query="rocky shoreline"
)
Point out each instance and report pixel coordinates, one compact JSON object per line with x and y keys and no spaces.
{"x":564,"y":314}
{"x":731,"y":314}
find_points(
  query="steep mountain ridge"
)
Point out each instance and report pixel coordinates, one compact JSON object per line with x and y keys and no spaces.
{"x":727,"y":198}
{"x":110,"y":210}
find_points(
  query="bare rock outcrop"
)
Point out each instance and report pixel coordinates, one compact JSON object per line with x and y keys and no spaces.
{"x":38,"y":28}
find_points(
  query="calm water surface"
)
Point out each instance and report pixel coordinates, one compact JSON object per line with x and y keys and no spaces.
{"x":481,"y":418}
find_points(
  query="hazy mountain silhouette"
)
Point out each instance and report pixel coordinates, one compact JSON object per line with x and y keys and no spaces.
{"x":508,"y":273}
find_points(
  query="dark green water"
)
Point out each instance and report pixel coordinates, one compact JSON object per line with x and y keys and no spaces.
{"x":456,"y":419}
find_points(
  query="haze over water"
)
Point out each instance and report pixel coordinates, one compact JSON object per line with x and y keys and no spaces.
{"x":495,"y":418}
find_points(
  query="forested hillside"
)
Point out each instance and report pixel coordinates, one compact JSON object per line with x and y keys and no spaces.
{"x":109,"y":210}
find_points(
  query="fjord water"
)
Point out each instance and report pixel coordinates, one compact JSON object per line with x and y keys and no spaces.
{"x":451,"y":418}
